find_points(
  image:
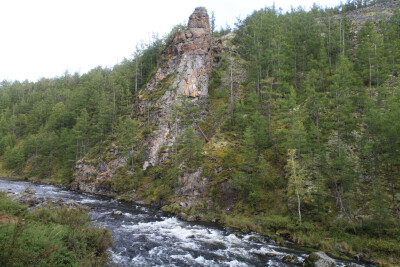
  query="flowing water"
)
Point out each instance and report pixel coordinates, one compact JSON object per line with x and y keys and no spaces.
{"x":145,"y":236}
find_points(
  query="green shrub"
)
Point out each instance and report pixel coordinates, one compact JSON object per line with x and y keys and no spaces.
{"x":58,"y":237}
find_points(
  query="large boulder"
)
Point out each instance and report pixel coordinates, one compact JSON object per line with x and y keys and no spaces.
{"x":319,"y":259}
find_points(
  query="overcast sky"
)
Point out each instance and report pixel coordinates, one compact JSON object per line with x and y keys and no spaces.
{"x":43,"y":38}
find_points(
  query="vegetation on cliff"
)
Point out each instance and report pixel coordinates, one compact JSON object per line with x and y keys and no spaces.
{"x":300,"y":140}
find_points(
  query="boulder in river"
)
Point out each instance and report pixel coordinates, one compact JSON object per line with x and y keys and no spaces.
{"x":353,"y":265}
{"x":289,"y":259}
{"x":319,"y":259}
{"x":116,"y":212}
{"x":266,"y":254}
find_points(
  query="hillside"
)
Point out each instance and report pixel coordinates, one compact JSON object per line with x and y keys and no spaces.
{"x":287,"y":126}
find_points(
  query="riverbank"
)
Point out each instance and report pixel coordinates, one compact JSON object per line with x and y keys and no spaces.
{"x":338,"y":242}
{"x":145,"y":236}
{"x":286,"y":231}
{"x":54,"y":235}
{"x":282,"y":230}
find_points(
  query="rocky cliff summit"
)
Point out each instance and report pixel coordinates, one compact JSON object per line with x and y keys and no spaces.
{"x":182,"y":77}
{"x":189,"y":57}
{"x":186,"y":73}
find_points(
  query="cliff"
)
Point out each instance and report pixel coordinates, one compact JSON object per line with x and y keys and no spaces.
{"x":180,"y":84}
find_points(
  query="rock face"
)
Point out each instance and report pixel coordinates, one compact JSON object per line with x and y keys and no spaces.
{"x":92,"y":178}
{"x":181,"y":78}
{"x":186,"y":73}
{"x":189,"y":57}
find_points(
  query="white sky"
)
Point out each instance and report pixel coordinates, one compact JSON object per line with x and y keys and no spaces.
{"x":43,"y":38}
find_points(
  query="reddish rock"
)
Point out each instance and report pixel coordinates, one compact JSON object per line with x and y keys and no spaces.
{"x":184,"y":71}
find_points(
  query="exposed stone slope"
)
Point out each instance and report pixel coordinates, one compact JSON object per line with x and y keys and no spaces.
{"x":183,"y":74}
{"x":375,"y":13}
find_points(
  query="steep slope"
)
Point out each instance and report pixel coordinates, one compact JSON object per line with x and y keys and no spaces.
{"x":180,"y":85}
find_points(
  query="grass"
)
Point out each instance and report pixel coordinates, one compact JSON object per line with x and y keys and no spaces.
{"x":57,"y":237}
{"x":337,"y":242}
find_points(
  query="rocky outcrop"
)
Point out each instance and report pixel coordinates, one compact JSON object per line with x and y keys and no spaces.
{"x":186,"y":73}
{"x":182,"y":78}
{"x":193,"y":186}
{"x":189,"y":57}
{"x":94,"y":178}
{"x":375,"y":13}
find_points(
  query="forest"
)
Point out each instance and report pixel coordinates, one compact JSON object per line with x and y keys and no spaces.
{"x":307,"y":103}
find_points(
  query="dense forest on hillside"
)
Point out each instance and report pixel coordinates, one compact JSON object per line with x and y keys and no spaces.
{"x":308,"y":140}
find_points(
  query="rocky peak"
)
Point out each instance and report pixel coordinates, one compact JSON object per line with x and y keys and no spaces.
{"x":189,"y":57}
{"x":188,"y":63}
{"x":199,"y":19}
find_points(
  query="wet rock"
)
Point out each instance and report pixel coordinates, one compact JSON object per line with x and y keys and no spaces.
{"x":319,"y":259}
{"x":289,"y":259}
{"x":359,"y":256}
{"x":30,"y":201}
{"x":255,"y":239}
{"x":30,"y":191}
{"x":353,"y":265}
{"x":116,"y":212}
{"x":182,"y":215}
{"x":142,"y":238}
{"x":266,"y":254}
{"x":27,"y":197}
{"x":195,"y":218}
{"x":238,"y":235}
{"x":60,"y":203}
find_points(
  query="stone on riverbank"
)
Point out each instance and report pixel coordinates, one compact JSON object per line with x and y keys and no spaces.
{"x":319,"y":259}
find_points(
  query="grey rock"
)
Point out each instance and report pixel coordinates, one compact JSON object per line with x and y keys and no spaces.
{"x":319,"y":259}
{"x":238,"y":235}
{"x":195,"y":218}
{"x":116,"y":212}
{"x":359,"y":257}
{"x":289,"y":259}
{"x":182,"y":215}
{"x":353,"y":265}
{"x":266,"y":254}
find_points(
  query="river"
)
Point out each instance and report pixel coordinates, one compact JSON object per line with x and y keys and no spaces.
{"x":145,"y":236}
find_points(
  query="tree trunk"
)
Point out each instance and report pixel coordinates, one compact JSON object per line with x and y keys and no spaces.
{"x":370,"y":75}
{"x":298,"y":205}
{"x":317,"y":123}
{"x":231,"y":106}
